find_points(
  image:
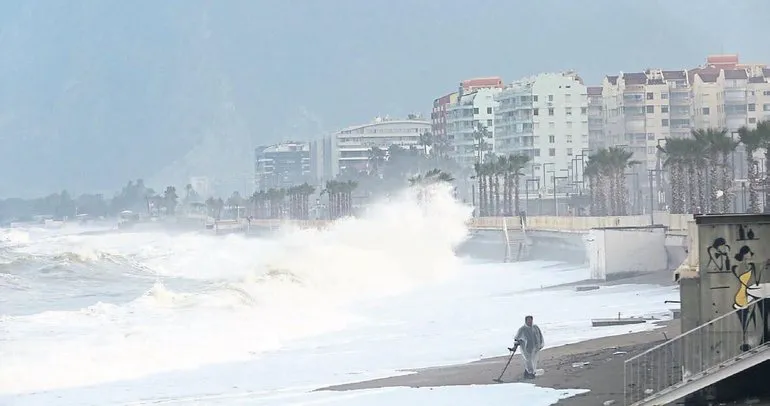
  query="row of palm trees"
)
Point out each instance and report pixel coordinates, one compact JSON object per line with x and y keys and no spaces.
{"x":606,"y":174}
{"x":494,"y":171}
{"x":340,"y":197}
{"x":699,"y":167}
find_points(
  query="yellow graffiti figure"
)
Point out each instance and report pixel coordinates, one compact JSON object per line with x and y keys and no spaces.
{"x":742,"y":296}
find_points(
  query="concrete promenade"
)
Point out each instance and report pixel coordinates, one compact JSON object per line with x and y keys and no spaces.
{"x":676,"y":223}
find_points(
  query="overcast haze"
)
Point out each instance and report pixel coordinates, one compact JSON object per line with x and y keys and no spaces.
{"x":93,"y":93}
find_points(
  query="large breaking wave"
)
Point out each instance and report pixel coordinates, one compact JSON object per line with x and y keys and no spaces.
{"x":195,"y":299}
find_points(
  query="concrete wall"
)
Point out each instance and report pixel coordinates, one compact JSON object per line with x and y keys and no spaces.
{"x":617,"y":252}
{"x":730,"y":255}
{"x":732,"y":248}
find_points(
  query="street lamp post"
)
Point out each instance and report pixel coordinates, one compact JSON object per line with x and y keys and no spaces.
{"x":526,"y":191}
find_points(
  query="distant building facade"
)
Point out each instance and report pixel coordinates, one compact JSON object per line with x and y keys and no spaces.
{"x":282,"y":165}
{"x":545,"y":117}
{"x":351,"y":146}
{"x":438,"y":115}
{"x":474,"y":111}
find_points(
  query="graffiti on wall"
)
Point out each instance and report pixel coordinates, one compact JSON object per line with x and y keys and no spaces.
{"x":751,"y":284}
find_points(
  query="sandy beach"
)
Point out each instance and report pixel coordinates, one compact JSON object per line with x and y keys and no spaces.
{"x":596,"y":365}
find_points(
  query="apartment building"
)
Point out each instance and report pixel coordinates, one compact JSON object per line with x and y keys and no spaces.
{"x":282,"y":165}
{"x":596,"y":135}
{"x":473,"y":111}
{"x":352,"y":144}
{"x":546,"y":118}
{"x":438,"y":115}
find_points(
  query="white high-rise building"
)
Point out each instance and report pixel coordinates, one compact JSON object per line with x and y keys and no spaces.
{"x":352,"y":145}
{"x":472,"y":111}
{"x":546,"y":118}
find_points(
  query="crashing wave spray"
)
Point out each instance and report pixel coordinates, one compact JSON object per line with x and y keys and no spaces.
{"x":257,"y":295}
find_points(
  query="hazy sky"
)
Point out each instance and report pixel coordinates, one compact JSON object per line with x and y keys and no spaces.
{"x":95,"y":92}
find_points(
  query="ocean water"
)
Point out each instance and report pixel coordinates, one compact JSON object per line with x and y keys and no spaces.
{"x":156,"y":317}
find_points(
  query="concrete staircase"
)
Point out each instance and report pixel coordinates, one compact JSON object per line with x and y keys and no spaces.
{"x":516,"y":242}
{"x":695,"y":360}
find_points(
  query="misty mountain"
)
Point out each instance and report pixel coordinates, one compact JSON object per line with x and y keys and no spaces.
{"x":96,"y":92}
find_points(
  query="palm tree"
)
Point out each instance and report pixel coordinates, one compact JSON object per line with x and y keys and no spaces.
{"x":376,"y":160}
{"x":480,"y":135}
{"x":426,"y":141}
{"x":598,"y":199}
{"x":752,"y":140}
{"x":304,"y":191}
{"x":620,"y":160}
{"x":170,"y":199}
{"x":725,"y":147}
{"x":676,"y":151}
{"x":712,"y":140}
{"x":515,"y":164}
{"x":480,"y":175}
{"x":234,"y":202}
{"x":258,"y":202}
{"x":607,"y":176}
{"x":763,"y":132}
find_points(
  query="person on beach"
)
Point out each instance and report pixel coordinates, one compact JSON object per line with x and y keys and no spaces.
{"x":530,"y":339}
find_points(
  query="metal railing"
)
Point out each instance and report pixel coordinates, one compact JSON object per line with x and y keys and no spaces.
{"x":697,"y":351}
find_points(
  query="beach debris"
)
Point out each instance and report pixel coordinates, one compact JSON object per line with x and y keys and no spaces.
{"x":585,"y":288}
{"x":752,"y":401}
{"x":620,"y":353}
{"x":580,"y":364}
{"x":609,"y":402}
{"x":648,"y":391}
{"x":617,"y":322}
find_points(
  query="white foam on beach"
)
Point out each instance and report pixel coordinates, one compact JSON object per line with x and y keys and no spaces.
{"x":278,"y":318}
{"x":473,"y":315}
{"x":258,"y":294}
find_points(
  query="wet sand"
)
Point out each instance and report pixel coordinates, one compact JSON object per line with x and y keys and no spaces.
{"x":564,"y":368}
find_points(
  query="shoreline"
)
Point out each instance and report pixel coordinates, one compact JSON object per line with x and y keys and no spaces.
{"x":596,"y":365}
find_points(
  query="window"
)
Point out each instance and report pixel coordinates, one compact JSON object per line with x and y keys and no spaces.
{"x":584,"y":110}
{"x":475,"y":110}
{"x":766,"y":93}
{"x":752,"y":107}
{"x":489,"y":123}
{"x":550,"y":111}
{"x":552,"y":139}
{"x":534,"y":98}
{"x":552,"y":125}
{"x":550,"y":97}
{"x":752,"y":120}
{"x":537,"y":152}
{"x":651,"y":150}
{"x":664,"y":109}
{"x":650,"y":96}
{"x":569,"y":138}
{"x":650,"y":109}
{"x":535,"y":112}
{"x":706,"y":111}
{"x":568,"y":110}
{"x":650,"y":136}
{"x":664,"y":122}
{"x":569,"y":151}
{"x":489,"y":110}
{"x":567,"y":98}
{"x":551,"y":151}
{"x":569,"y":124}
{"x":664,"y":96}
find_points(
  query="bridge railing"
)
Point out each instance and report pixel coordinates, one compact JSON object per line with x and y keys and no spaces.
{"x":698,"y":351}
{"x":571,"y":223}
{"x":555,"y":223}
